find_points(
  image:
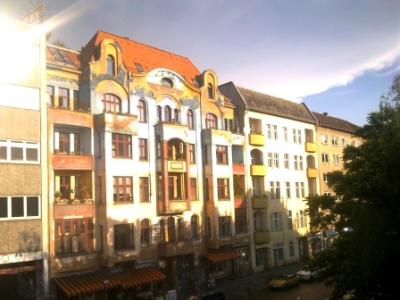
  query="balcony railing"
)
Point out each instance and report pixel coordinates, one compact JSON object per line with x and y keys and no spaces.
{"x":258,"y":170}
{"x":312,"y":173}
{"x":177,"y":166}
{"x":256,"y":139}
{"x":65,"y":161}
{"x":238,"y":168}
{"x":261,"y":237}
{"x":311,"y":147}
{"x":260,"y":202}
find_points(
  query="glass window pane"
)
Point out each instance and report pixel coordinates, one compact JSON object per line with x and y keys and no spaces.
{"x":3,"y":207}
{"x":3,"y":152}
{"x":17,"y":207}
{"x":31,"y":154}
{"x":16,"y":153}
{"x":32,"y":206}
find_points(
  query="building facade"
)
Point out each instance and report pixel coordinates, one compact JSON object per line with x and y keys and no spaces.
{"x":23,"y":189}
{"x":281,"y":170}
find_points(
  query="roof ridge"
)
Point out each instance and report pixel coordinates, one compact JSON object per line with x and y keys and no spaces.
{"x":143,"y":44}
{"x":275,"y":97}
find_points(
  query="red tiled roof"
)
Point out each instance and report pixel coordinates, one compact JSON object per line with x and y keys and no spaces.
{"x":138,"y":57}
{"x":63,"y":57}
{"x":221,"y":255}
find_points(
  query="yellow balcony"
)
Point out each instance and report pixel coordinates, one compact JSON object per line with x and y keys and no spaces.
{"x":260,"y":202}
{"x":261,"y":237}
{"x":312,"y":173}
{"x":257,"y":139}
{"x":311,"y":147}
{"x":258,"y":170}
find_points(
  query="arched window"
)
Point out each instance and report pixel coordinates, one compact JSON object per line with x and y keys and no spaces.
{"x":171,"y":229}
{"x":112,"y":103}
{"x":211,"y":121}
{"x":159,"y":114}
{"x":176,"y":149}
{"x":181,"y":229}
{"x":176,"y":115}
{"x":110,"y":65}
{"x":190,"y":119}
{"x":256,"y":157}
{"x":194,"y":224}
{"x":141,"y":111}
{"x":145,"y":233}
{"x":163,"y":231}
{"x":167,"y":114}
{"x":210,"y":89}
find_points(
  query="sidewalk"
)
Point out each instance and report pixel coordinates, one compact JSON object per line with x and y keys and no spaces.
{"x":240,"y":288}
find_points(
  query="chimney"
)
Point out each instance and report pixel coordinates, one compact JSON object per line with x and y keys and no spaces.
{"x":325,"y":113}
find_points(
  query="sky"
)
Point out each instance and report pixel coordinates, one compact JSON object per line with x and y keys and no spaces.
{"x":337,"y":56}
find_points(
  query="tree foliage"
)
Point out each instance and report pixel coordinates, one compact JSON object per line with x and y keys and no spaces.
{"x":365,"y":259}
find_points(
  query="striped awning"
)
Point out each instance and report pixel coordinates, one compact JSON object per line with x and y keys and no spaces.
{"x":91,"y":283}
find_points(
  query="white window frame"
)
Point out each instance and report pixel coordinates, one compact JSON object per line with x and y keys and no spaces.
{"x":21,"y":144}
{"x":286,"y":161}
{"x":25,"y":199}
{"x":324,"y":139}
{"x":336,"y":159}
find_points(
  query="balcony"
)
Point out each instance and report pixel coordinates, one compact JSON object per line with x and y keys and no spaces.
{"x":75,"y":262}
{"x":256,"y":139}
{"x":175,"y":249}
{"x":76,"y":208}
{"x":259,"y":202}
{"x":177,"y":166}
{"x":311,"y":147}
{"x":70,"y":117}
{"x":258,"y":170}
{"x":261,"y":237}
{"x":72,"y":162}
{"x":111,"y":121}
{"x":175,"y":207}
{"x":238,"y":168}
{"x":312,"y":173}
{"x":215,"y":136}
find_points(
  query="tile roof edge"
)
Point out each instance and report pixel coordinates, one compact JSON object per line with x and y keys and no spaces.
{"x":63,"y":48}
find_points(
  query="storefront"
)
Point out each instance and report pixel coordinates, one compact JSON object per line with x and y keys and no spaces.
{"x":220,"y":264}
{"x":144,"y":283}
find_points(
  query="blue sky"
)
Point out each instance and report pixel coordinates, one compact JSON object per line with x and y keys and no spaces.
{"x":338,"y":56}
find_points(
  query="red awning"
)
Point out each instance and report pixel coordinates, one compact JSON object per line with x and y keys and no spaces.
{"x":221,"y":255}
{"x":95,"y":282}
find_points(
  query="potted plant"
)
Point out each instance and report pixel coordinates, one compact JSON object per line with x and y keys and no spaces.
{"x":58,"y":198}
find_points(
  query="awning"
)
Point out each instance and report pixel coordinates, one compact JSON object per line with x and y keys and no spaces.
{"x":134,"y":277}
{"x":221,"y":255}
{"x":85,"y":284}
{"x":91,"y":283}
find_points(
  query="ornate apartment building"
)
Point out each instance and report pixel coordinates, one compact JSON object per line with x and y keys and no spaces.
{"x":281,"y":170}
{"x":23,"y":189}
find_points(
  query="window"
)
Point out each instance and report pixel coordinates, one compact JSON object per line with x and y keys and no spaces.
{"x":302,"y":219}
{"x":176,"y":186}
{"x":181,"y":229}
{"x":336,"y":159}
{"x":270,"y":164}
{"x":124,"y":237}
{"x":286,"y":160}
{"x":325,"y":157}
{"x":17,"y":151}
{"x":297,"y":189}
{"x":63,"y":98}
{"x":303,"y":194}
{"x":324,"y":139}
{"x":222,"y":154}
{"x":276,"y":160}
{"x":269,"y":131}
{"x":223,"y":188}
{"x":291,"y":249}
{"x":144,"y":189}
{"x":296,"y":163}
{"x":121,"y":145}
{"x":75,"y":94}
{"x":299,"y":137}
{"x":325,"y":177}
{"x":295,"y":136}
{"x":177,"y":115}
{"x":301,"y":162}
{"x":190,"y":119}
{"x":240,"y":220}
{"x":50,"y":93}
{"x":260,"y":256}
{"x":145,"y":233}
{"x":210,"y":89}
{"x":272,"y":189}
{"x":288,"y":194}
{"x":110,"y":65}
{"x":171,"y":229}
{"x":111,"y":103}
{"x":73,"y":236}
{"x":19,"y":207}
{"x":63,"y":143}
{"x":290,"y":220}
{"x":327,"y":193}
{"x":194,"y":224}
{"x":275,"y":132}
{"x":224,"y":227}
{"x":32,"y":153}
{"x":167,"y":114}
{"x":211,"y":121}
{"x":142,"y":111}
{"x":159,"y":114}
{"x":335,"y":141}
{"x":193,"y":189}
{"x":343,"y":142}
{"x":285,"y":134}
{"x":143,"y":149}
{"x":192,"y":153}
{"x":228,"y":125}
{"x":276,"y":221}
{"x":278,"y":190}
{"x":167,"y":82}
{"x":122,"y":189}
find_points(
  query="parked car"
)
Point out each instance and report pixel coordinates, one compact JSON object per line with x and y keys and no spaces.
{"x":309,"y":273}
{"x":284,"y":281}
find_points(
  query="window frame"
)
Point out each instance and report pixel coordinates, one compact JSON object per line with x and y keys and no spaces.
{"x":143,"y":149}
{"x":25,"y":208}
{"x":144,"y":193}
{"x":131,"y":233}
{"x":112,"y":104}
{"x":124,"y":186}
{"x":223,"y":189}
{"x":24,"y":145}
{"x":121,"y":139}
{"x":221,"y":153}
{"x":142,"y":111}
{"x":211,"y":121}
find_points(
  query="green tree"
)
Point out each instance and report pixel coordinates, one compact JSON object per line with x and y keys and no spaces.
{"x":365,"y":256}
